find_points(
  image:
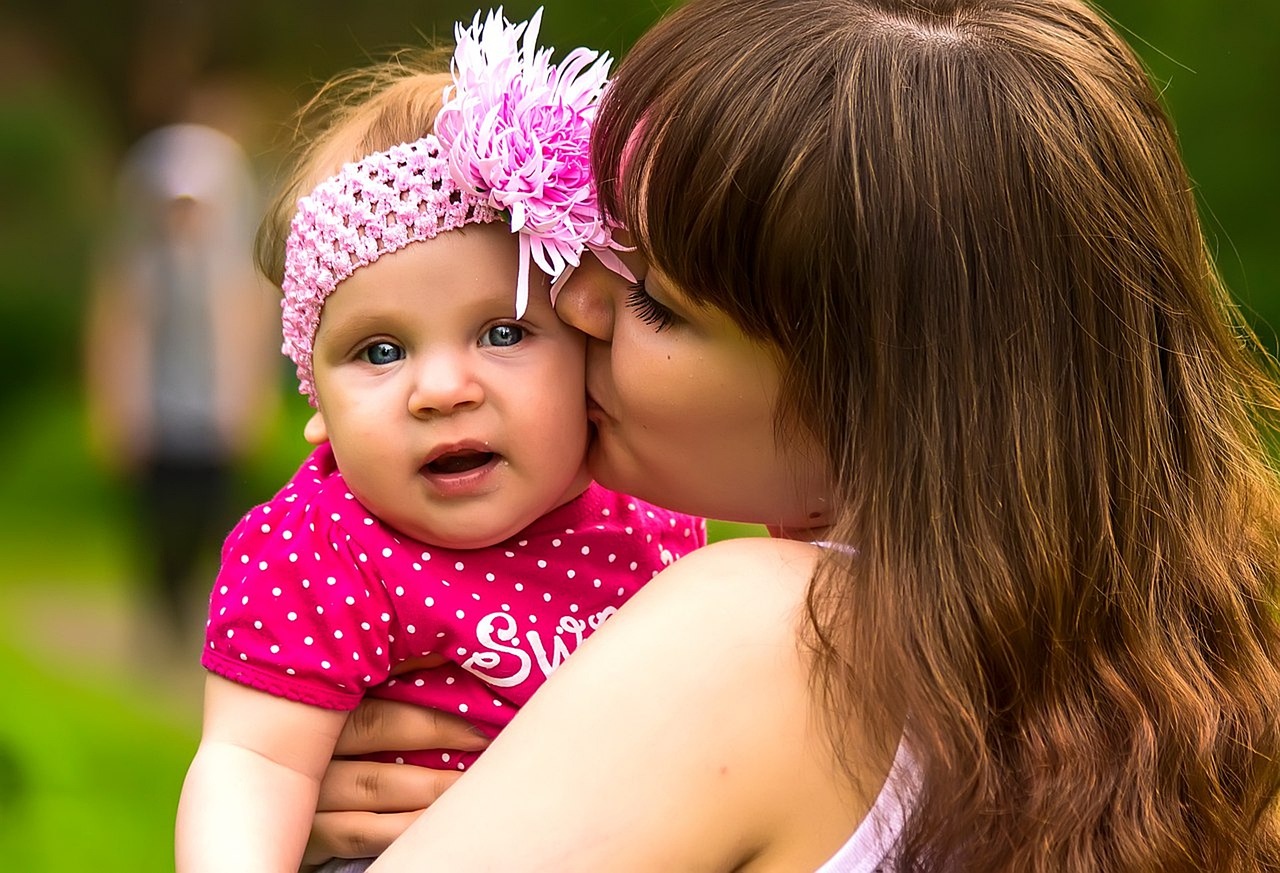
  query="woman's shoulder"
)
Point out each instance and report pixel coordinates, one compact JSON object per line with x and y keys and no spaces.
{"x":766,"y":571}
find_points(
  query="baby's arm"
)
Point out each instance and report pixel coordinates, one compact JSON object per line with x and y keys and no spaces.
{"x":251,"y":790}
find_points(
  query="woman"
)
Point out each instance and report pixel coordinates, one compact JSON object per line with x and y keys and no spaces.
{"x":924,"y":282}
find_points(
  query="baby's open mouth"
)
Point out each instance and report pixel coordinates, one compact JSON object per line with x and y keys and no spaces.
{"x":460,"y":461}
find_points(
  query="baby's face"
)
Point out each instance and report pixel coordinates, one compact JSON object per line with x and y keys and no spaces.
{"x":451,"y":420}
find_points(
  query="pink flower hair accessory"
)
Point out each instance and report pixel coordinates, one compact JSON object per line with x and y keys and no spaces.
{"x":370,"y":208}
{"x":517,"y":132}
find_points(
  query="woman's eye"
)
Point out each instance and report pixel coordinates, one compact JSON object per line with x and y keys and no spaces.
{"x":503,"y":335}
{"x":648,"y":310}
{"x":382,"y":353}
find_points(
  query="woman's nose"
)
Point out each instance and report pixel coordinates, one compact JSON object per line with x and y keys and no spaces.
{"x":444,"y":383}
{"x":589,"y":298}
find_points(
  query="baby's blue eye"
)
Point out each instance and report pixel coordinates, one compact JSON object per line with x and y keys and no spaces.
{"x":380,"y":354}
{"x":503,"y":335}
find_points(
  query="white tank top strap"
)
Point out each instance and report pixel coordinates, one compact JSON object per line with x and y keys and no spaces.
{"x":871,"y":847}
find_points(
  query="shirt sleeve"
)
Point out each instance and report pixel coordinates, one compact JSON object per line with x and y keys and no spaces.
{"x":298,"y":610}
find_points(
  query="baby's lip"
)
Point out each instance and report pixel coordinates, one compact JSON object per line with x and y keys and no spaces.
{"x":458,"y":457}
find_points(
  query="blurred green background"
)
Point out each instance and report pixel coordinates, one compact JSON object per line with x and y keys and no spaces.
{"x":100,"y":714}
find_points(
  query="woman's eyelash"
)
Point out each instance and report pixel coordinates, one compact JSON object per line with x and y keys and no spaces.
{"x":648,"y":310}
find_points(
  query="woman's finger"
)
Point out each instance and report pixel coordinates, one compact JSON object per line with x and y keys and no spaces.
{"x":380,"y":788}
{"x":353,"y":834}
{"x":391,"y":726}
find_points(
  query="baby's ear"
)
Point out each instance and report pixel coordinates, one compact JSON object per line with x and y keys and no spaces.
{"x":315,"y":432}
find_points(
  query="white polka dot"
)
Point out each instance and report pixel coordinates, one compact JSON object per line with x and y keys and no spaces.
{"x":244,"y":601}
{"x":497,"y":702}
{"x":444,"y":756}
{"x":586,"y":550}
{"x":243,"y":656}
{"x":399,"y":591}
{"x":262,"y":565}
{"x":351,"y":601}
{"x":612,"y":558}
{"x":462,"y":652}
{"x":355,"y":656}
{"x":426,"y":556}
{"x":230,"y":633}
{"x":605,"y":511}
{"x":523,"y":543}
{"x":462,"y":707}
{"x":459,"y":566}
{"x":364,"y":625}
{"x":542,"y":564}
{"x":631,"y":506}
{"x":222,"y":590}
{"x":547,"y":597}
{"x":571,"y":573}
{"x":461,"y":614}
{"x":288,"y":535}
{"x":417,"y":566}
{"x":450,"y":680}
{"x":378,"y":651}
{"x":257,"y":625}
{"x":325,"y":664}
{"x":336,"y":517}
{"x":519,"y":586}
{"x":306,"y":583}
{"x":266,"y":528}
{"x":399,"y":760}
{"x":386,"y":617}
{"x":276,"y":592}
{"x":293,"y":557}
{"x":634,"y":565}
{"x":488,"y":576}
{"x":509,"y":554}
{"x":573,"y":607}
{"x":291,"y":671}
{"x":244,"y":559}
{"x":319,"y":610}
{"x":306,"y":641}
{"x":275,"y":650}
{"x":386,"y":552}
{"x":292,"y":616}
{"x":411,"y":629}
{"x":533,"y":619}
{"x":555,"y":543}
{"x":337,"y":634}
{"x":362,"y":556}
{"x":430,"y":601}
{"x":419,"y":682}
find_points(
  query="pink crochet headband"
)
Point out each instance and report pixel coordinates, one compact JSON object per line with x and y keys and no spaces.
{"x":512,"y":142}
{"x":371,"y":208}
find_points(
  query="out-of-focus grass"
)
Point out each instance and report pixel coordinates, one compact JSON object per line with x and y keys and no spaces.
{"x":89,"y":776}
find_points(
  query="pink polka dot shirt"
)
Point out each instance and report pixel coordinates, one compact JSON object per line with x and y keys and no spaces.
{"x":317,"y":601}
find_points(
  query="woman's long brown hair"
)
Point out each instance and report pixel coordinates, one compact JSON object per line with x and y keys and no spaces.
{"x":966,"y":227}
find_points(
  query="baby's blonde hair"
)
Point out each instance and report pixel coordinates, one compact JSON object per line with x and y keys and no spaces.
{"x":352,"y":115}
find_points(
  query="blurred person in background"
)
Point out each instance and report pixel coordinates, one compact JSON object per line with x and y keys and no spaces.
{"x":179,"y":388}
